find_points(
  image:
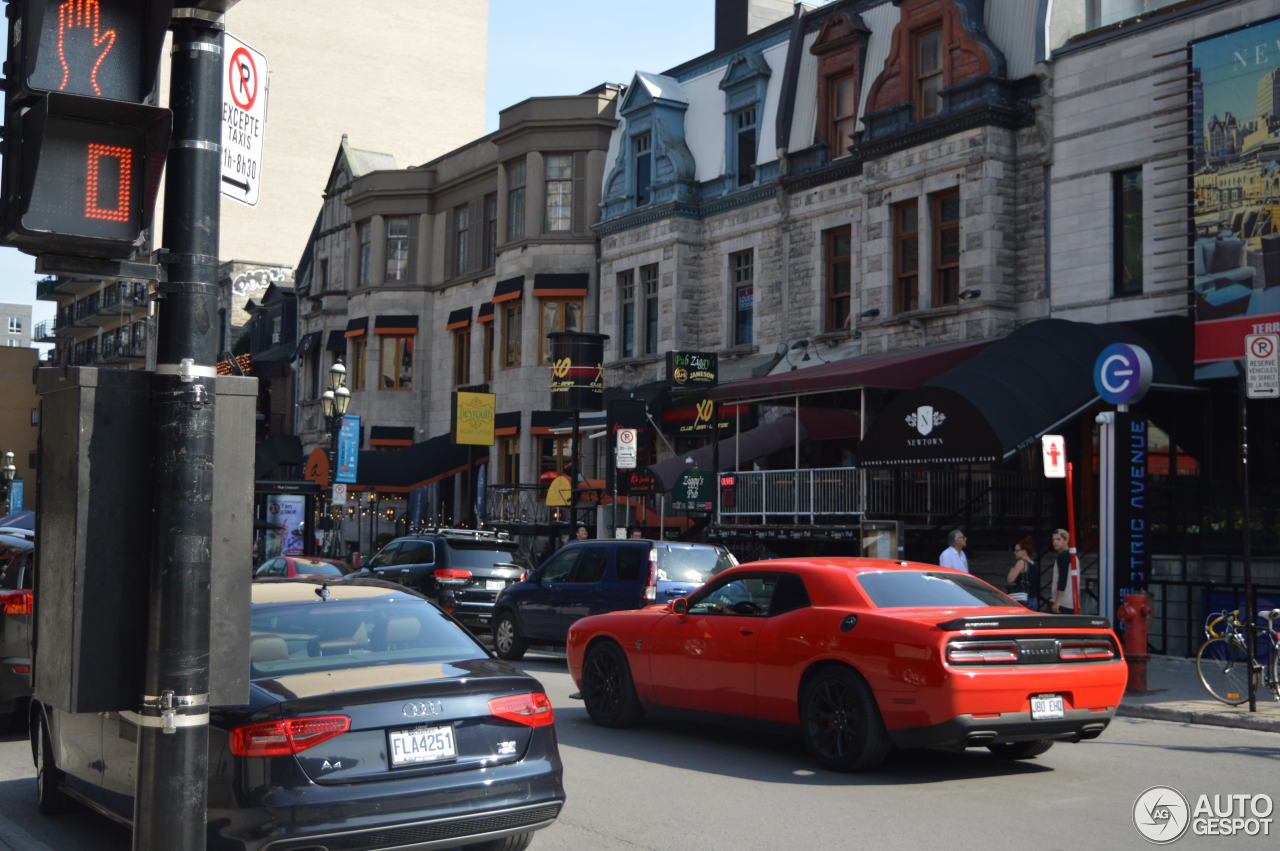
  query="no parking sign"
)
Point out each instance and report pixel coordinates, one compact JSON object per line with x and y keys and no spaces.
{"x":244,"y":117}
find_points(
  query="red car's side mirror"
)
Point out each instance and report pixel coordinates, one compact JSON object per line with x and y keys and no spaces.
{"x":680,"y":605}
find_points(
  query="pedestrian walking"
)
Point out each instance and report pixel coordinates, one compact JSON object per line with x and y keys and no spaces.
{"x":1023,"y":581}
{"x":582,"y":534}
{"x":953,"y":556}
{"x":1058,"y":595}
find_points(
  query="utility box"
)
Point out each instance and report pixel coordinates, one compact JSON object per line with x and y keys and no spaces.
{"x":94,"y":535}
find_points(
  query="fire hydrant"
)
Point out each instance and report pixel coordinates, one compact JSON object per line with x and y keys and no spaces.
{"x":1134,"y":614}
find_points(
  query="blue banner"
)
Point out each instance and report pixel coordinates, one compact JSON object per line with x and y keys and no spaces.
{"x":15,"y":495}
{"x":417,"y":511}
{"x":482,"y":481}
{"x":348,"y":449}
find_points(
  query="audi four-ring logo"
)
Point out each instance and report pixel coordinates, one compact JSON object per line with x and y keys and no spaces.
{"x":423,"y":709}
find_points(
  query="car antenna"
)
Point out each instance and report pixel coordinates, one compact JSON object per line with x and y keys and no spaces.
{"x":323,"y":591}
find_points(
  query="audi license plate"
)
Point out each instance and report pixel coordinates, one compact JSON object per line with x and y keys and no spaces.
{"x":421,"y":744}
{"x":1046,"y":707}
{"x":494,"y":584}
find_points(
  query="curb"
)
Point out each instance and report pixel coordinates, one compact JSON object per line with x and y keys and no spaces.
{"x":1215,"y":719}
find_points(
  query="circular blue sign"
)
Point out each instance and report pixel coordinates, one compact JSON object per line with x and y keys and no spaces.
{"x":1122,"y":373}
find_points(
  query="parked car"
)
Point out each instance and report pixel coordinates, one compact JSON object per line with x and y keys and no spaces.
{"x":589,"y":577}
{"x":282,"y":567}
{"x":463,"y":570}
{"x":861,"y":655}
{"x":374,"y":721}
{"x":17,"y":602}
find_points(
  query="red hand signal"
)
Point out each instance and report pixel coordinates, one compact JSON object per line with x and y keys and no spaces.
{"x":80,"y":19}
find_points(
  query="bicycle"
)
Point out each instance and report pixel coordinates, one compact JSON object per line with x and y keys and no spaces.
{"x":1223,"y":659}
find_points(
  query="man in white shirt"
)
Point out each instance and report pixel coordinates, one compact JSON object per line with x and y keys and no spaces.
{"x":953,"y":556}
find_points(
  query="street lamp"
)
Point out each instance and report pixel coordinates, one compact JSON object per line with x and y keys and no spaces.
{"x":10,"y":473}
{"x":334,"y":401}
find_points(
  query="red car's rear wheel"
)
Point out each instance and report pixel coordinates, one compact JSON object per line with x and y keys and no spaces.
{"x":840,"y":721}
{"x":607,"y":689}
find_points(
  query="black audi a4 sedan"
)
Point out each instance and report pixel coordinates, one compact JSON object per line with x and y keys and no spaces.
{"x":374,"y":721}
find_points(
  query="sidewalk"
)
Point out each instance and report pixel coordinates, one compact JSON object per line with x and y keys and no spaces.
{"x":1175,"y":694}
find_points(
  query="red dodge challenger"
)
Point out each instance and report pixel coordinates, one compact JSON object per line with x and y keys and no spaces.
{"x":862,"y":655}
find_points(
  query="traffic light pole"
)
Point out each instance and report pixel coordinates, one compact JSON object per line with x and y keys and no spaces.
{"x":171,"y":795}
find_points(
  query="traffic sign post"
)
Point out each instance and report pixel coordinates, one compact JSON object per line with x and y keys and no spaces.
{"x":244,"y":117}
{"x":1262,"y":366}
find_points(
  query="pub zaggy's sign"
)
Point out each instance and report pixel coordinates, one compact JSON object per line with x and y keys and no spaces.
{"x":693,"y":369}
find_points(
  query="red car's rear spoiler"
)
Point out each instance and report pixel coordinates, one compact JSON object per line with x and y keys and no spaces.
{"x":1038,"y":621}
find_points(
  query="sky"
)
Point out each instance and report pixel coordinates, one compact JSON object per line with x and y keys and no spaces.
{"x":551,"y":47}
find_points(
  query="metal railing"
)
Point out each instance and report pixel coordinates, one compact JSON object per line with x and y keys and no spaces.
{"x":525,"y":505}
{"x":818,"y":494}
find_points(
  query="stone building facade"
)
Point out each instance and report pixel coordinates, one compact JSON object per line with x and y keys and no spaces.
{"x":448,"y":275}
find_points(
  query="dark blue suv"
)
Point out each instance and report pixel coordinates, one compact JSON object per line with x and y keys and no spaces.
{"x":590,"y":577}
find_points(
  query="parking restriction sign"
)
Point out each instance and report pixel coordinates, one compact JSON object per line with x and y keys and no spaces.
{"x":627,"y":448}
{"x":1262,"y":366}
{"x":244,"y":116}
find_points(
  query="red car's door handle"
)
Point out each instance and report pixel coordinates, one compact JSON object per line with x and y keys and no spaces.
{"x":745,"y":632}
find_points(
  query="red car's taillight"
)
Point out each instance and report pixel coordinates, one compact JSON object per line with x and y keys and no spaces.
{"x":982,"y":653}
{"x":17,"y":602}
{"x":531,"y":710}
{"x":651,"y":587}
{"x":452,"y":573}
{"x":1081,"y":651}
{"x":290,"y":736}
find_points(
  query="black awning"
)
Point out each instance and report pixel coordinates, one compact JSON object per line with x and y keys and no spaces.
{"x":390,"y":435}
{"x":1014,"y":391}
{"x":416,"y":465}
{"x":355,"y":327}
{"x":337,"y":342}
{"x":394,"y":324}
{"x":564,"y":284}
{"x":509,"y":289}
{"x":485,"y":313}
{"x":306,"y":345}
{"x":744,"y":448}
{"x":507,"y":419}
{"x":459,"y":318}
{"x":274,"y":451}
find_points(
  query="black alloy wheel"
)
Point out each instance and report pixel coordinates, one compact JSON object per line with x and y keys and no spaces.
{"x":1020,"y":750}
{"x":607,"y":689}
{"x":840,"y":722}
{"x":507,"y":642}
{"x":50,"y":798}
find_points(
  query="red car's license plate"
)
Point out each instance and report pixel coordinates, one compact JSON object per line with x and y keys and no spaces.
{"x":1045,"y":707}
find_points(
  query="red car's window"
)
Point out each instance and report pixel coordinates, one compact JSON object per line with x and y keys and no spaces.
{"x":919,"y":589}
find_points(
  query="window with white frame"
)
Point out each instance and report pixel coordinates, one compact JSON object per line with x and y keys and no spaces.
{"x":559,"y":186}
{"x":744,"y":122}
{"x":515,"y":200}
{"x":643,"y":143}
{"x":364,"y":236}
{"x":649,"y":286}
{"x":397,"y":249}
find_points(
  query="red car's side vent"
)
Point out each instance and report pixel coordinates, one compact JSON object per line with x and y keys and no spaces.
{"x":1031,"y":621}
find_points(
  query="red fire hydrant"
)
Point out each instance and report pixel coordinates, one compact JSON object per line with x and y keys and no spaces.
{"x":1134,"y":614}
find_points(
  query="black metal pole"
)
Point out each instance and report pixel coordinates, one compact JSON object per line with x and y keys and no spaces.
{"x":1250,"y":602}
{"x":171,"y":791}
{"x":574,"y":459}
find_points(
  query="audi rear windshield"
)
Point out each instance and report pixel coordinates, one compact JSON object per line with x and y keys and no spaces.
{"x":914,"y":589}
{"x":298,"y":638}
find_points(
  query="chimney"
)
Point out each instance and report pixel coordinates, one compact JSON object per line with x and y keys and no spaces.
{"x":737,"y":19}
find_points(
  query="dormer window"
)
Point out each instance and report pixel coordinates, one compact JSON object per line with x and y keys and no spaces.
{"x":843,"y":112}
{"x":744,"y":122}
{"x":643,"y":145}
{"x":928,"y":67}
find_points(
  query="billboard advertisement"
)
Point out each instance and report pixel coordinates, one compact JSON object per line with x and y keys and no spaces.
{"x":1235,"y":150}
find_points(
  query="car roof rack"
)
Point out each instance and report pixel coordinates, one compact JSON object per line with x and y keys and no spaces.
{"x":474,"y":534}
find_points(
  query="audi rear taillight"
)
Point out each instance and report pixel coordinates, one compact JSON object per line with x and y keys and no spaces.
{"x":651,"y":587}
{"x":531,"y":710}
{"x":17,"y":602}
{"x":452,"y":573}
{"x":289,"y":736}
{"x":1085,"y":651}
{"x":982,"y":652}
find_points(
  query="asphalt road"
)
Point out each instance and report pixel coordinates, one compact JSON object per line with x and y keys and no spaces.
{"x":677,"y":783}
